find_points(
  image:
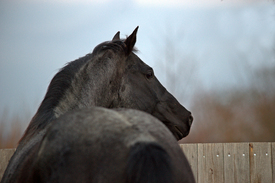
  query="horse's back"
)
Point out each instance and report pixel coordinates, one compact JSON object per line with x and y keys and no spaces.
{"x":98,"y":145}
{"x":181,"y":170}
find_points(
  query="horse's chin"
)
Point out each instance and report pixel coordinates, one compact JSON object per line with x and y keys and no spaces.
{"x":179,"y":134}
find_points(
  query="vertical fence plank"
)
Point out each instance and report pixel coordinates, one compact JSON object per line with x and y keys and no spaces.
{"x":5,"y":155}
{"x":210,"y":163}
{"x":191,"y":153}
{"x":260,"y":162}
{"x":236,"y":163}
{"x":273,"y":161}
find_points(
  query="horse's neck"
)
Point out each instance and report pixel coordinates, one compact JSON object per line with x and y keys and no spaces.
{"x":91,"y":86}
{"x":88,"y":89}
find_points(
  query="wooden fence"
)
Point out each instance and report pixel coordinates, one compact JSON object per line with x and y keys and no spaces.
{"x":218,"y":162}
{"x":232,"y":162}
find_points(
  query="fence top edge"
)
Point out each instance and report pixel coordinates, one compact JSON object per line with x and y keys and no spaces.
{"x":8,"y":149}
{"x":227,"y":143}
{"x":182,"y":144}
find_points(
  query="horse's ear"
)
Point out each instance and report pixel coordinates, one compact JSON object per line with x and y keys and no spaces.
{"x":116,"y":37}
{"x":130,"y":41}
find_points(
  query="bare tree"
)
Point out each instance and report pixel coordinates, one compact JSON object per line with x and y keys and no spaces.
{"x":179,"y":67}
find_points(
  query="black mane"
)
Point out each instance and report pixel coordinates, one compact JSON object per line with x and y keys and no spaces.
{"x":56,"y":90}
{"x":61,"y":82}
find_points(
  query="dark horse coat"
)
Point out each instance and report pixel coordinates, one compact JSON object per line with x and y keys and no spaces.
{"x":112,"y":76}
{"x":108,"y":146}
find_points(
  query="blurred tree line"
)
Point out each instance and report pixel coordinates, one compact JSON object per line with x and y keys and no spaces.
{"x":241,"y":113}
{"x":236,"y":115}
{"x":12,"y":128}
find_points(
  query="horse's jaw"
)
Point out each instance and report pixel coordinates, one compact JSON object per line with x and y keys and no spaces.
{"x":176,"y":118}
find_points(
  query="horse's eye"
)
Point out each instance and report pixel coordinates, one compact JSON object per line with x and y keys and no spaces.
{"x":150,"y":74}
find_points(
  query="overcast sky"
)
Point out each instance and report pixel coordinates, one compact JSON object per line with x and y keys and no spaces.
{"x":39,"y":37}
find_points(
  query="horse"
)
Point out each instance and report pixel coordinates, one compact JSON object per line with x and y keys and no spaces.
{"x":112,"y":76}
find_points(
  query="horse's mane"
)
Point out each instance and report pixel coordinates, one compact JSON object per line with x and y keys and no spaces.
{"x":56,"y":89}
{"x":61,"y":82}
{"x":58,"y":86}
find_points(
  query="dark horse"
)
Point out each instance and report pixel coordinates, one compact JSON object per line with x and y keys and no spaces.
{"x":62,"y":136}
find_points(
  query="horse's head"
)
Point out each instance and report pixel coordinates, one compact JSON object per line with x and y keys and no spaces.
{"x":140,"y":89}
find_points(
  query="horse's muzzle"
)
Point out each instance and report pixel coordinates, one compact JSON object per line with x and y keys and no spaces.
{"x":190,"y":120}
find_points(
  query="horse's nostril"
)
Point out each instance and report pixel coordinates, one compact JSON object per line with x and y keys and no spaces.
{"x":190,"y":120}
